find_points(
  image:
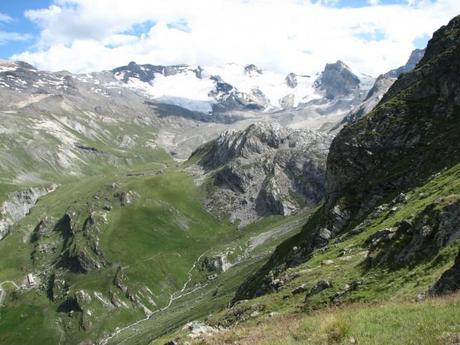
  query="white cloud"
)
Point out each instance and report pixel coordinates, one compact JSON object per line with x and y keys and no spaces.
{"x":7,"y":36}
{"x":4,"y":18}
{"x":281,"y":35}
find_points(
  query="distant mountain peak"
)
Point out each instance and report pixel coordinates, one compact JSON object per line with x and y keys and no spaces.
{"x":291,"y":80}
{"x":252,"y":69}
{"x":337,"y":80}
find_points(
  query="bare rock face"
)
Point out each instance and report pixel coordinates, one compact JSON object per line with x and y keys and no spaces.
{"x":291,"y":80}
{"x":338,"y":80}
{"x":18,"y":206}
{"x":147,"y":72}
{"x":265,"y":169}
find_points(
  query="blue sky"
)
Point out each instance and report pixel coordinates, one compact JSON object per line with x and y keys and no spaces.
{"x":19,"y":23}
{"x":371,"y":35}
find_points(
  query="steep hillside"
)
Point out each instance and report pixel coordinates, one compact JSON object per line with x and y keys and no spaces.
{"x":355,"y":271}
{"x":55,"y":126}
{"x":410,"y":136}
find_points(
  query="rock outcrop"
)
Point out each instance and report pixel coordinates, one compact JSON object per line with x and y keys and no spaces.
{"x":262,"y":170}
{"x":449,"y":281}
{"x":412,"y":241}
{"x":18,"y":206}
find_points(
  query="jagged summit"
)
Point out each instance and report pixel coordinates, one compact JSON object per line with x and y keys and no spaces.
{"x":414,"y":58}
{"x":247,"y":87}
{"x":210,"y":90}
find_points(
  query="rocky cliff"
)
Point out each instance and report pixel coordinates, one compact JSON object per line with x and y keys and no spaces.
{"x":411,"y":135}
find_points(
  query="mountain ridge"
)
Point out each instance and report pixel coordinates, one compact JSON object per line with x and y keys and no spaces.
{"x":408,"y":137}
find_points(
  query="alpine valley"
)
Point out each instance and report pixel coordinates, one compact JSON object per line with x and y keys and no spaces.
{"x":228,"y":204}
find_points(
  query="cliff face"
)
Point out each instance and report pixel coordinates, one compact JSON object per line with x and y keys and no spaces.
{"x":411,"y":135}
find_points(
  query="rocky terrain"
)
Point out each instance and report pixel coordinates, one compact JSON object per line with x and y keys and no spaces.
{"x":18,"y":205}
{"x":263,"y":170}
{"x":386,"y":237}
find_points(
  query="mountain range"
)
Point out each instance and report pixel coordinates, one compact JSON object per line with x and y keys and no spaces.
{"x":231,"y":205}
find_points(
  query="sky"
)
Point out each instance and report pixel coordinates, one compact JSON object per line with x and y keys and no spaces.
{"x":371,"y":36}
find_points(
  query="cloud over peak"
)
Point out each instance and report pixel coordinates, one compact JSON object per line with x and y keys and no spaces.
{"x":288,"y":35}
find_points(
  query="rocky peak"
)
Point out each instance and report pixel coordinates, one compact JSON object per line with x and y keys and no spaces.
{"x":23,"y":77}
{"x":411,"y":63}
{"x":264,"y":169}
{"x":252,"y":70}
{"x":380,"y":87}
{"x":414,"y":59}
{"x":337,"y":79}
{"x":146,"y":73}
{"x":6,"y":65}
{"x":133,"y":70}
{"x":240,"y":144}
{"x":291,"y":80}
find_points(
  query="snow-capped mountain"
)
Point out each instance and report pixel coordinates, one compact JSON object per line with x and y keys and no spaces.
{"x":233,"y":87}
{"x":189,"y":105}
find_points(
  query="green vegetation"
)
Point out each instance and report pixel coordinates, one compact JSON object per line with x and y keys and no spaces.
{"x":153,"y":241}
{"x":433,"y":322}
{"x":343,"y":262}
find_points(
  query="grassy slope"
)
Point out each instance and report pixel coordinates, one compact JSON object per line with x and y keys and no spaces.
{"x":35,"y":155}
{"x":381,"y":283}
{"x":216,"y":294}
{"x":156,"y":240}
{"x":433,"y":322}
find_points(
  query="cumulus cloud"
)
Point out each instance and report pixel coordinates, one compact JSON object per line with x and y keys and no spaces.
{"x":280,"y":35}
